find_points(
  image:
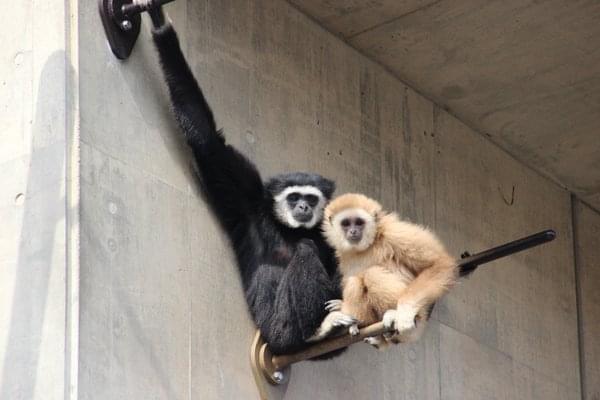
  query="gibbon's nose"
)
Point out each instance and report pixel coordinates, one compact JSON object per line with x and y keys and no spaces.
{"x":303,"y":207}
{"x":354,"y":235}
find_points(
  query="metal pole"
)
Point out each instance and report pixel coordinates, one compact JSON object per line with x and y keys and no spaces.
{"x":328,"y":345}
{"x":469,"y":264}
{"x":271,"y":365}
{"x":139,"y":6}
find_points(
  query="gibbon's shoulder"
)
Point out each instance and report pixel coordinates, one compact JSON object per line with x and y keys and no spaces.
{"x":393,"y":229}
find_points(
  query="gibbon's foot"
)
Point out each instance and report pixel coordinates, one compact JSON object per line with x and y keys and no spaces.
{"x":310,"y":244}
{"x":333,"y":305}
{"x":333,"y":320}
{"x":465,"y":254}
{"x":374,"y":341}
{"x":377,"y":341}
{"x":402,"y":319}
{"x":353,"y":330}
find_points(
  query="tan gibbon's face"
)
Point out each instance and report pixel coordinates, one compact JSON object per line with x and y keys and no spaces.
{"x":351,"y":229}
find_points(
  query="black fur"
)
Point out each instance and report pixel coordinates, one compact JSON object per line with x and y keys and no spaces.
{"x":288,"y":274}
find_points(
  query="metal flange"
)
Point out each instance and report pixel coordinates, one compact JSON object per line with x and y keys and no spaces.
{"x":262,"y":363}
{"x":121,"y":30}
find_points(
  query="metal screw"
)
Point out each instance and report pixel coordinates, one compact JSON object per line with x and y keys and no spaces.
{"x":278,"y":376}
{"x":126,"y":25}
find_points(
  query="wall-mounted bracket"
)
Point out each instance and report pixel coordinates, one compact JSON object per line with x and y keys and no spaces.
{"x":121,"y":20}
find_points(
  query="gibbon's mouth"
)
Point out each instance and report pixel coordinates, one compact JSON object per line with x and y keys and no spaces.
{"x":354,"y":239}
{"x":303,"y":218}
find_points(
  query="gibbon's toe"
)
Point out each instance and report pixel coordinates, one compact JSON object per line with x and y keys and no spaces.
{"x":389,"y":335}
{"x":333,"y":305}
{"x":389,"y":319}
{"x":341,"y":319}
{"x":373,"y":341}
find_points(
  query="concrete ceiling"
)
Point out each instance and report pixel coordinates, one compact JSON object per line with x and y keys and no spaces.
{"x":526,"y":73}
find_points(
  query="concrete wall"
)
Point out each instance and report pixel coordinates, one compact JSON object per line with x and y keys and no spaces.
{"x":587,"y":252}
{"x":161,"y":310}
{"x":36,"y":126}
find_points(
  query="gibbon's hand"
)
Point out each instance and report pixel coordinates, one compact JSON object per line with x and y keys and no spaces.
{"x":333,"y":320}
{"x":402,"y":319}
{"x":157,"y":16}
{"x":333,"y":305}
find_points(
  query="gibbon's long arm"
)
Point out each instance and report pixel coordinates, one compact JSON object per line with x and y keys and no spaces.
{"x":233,"y":184}
{"x":430,"y":284}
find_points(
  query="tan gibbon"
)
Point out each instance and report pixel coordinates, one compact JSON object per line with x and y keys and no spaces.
{"x":392,"y":269}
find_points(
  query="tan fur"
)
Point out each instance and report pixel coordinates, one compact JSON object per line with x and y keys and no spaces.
{"x":404,"y":264}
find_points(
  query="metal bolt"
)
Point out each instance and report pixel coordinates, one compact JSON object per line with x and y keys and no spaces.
{"x":126,"y":25}
{"x":278,"y":376}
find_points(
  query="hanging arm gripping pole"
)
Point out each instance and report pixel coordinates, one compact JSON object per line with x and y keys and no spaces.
{"x":273,"y":367}
{"x":121,"y":20}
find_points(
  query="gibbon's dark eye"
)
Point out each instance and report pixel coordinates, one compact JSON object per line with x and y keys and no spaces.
{"x":311,"y":199}
{"x":345,"y":223}
{"x":293,"y":197}
{"x":359,"y":222}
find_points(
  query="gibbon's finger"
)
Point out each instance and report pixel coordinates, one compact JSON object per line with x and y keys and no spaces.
{"x":405,"y":318}
{"x":353,"y":330}
{"x":333,"y":305}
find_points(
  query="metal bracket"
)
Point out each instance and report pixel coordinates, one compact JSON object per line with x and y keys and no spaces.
{"x":121,"y":30}
{"x":121,"y":20}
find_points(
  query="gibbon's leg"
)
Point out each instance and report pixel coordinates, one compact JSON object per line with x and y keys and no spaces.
{"x":382,"y":289}
{"x":425,"y":289}
{"x":261,"y":294}
{"x":298,"y":305}
{"x":355,"y":303}
{"x":384,"y":286}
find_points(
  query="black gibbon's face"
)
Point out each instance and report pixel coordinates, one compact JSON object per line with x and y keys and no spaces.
{"x":300,"y":206}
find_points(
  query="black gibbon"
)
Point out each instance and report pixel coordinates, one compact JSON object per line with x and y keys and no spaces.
{"x":287,"y":269}
{"x":392,"y":269}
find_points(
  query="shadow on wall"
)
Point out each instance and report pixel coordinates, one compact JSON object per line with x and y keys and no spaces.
{"x":37,"y":258}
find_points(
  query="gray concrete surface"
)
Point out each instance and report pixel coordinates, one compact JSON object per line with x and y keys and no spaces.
{"x":34,"y":126}
{"x":524,"y":73}
{"x":161,"y":311}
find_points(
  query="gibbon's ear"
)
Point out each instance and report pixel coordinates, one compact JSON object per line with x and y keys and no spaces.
{"x":327,"y":187}
{"x":378,"y":215}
